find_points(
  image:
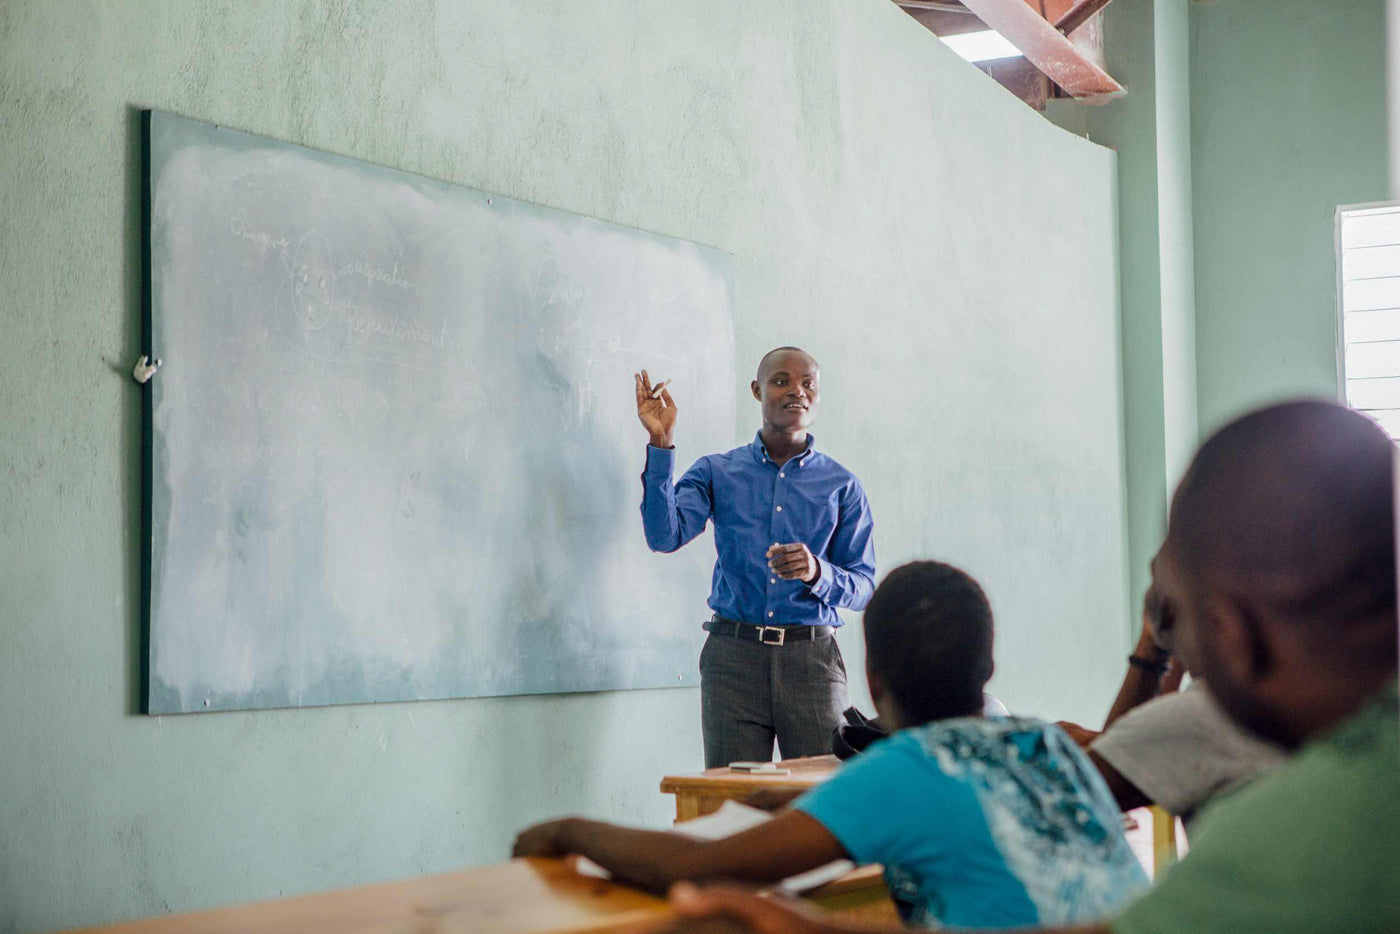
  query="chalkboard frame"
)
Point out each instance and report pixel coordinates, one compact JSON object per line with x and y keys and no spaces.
{"x":152,"y":702}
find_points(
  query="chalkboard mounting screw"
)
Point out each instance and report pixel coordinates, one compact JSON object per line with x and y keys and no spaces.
{"x":145,"y":369}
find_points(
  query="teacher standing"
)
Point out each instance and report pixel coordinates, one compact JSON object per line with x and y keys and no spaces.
{"x":793,"y":536}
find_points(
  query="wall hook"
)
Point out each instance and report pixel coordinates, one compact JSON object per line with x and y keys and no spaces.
{"x":145,"y":369}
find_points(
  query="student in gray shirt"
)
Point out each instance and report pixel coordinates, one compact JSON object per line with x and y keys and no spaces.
{"x":1175,"y":749}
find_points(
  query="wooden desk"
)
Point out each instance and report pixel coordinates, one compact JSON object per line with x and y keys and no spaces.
{"x":701,"y":793}
{"x":524,"y":896}
{"x":860,"y":893}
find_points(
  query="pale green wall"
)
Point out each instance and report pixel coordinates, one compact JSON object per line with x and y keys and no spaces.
{"x":947,"y":254}
{"x":1288,"y":122}
{"x":1238,"y":138}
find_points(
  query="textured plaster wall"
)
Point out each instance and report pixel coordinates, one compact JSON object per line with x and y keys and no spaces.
{"x":947,"y":254}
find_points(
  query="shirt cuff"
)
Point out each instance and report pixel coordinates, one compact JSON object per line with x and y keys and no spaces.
{"x":821,"y":587}
{"x":660,"y":461}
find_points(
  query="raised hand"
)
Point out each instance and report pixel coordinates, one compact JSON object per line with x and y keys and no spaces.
{"x":794,"y":562}
{"x":656,"y":410}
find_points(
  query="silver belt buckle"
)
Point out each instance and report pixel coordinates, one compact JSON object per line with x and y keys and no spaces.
{"x":763,"y":632}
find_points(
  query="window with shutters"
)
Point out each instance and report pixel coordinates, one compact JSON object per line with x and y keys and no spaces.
{"x":1368,"y":333}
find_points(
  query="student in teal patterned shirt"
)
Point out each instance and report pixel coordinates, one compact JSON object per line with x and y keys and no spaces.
{"x":979,"y":822}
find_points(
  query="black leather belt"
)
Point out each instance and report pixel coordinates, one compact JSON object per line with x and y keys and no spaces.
{"x":768,"y":635}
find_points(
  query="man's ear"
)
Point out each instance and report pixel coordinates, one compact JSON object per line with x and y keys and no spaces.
{"x":1240,"y":643}
{"x":753,"y":387}
{"x":877,"y":687}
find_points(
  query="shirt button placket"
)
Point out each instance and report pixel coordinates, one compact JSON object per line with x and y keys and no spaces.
{"x":777,"y":532}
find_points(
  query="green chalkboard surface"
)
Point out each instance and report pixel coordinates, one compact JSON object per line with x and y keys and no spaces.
{"x":394,"y":450}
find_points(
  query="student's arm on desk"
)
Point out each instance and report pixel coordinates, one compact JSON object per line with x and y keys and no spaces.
{"x":789,"y":844}
{"x":756,"y":914}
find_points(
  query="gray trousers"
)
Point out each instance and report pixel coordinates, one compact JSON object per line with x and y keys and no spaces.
{"x":751,"y":694}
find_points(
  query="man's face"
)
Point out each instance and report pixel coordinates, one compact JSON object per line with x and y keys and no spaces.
{"x":1211,"y":641}
{"x":787,"y":387}
{"x":1160,"y":625}
{"x":1177,"y":628}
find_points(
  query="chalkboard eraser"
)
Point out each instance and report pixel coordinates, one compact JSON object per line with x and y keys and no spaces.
{"x":758,"y":768}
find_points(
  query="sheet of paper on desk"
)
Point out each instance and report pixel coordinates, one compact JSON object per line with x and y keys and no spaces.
{"x":732,"y":818}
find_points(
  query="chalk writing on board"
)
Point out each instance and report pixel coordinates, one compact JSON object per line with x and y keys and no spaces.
{"x":239,"y":226}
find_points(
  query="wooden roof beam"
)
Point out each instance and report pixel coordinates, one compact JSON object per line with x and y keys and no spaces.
{"x":1047,"y":48}
{"x":1079,"y":14}
{"x":942,"y":6}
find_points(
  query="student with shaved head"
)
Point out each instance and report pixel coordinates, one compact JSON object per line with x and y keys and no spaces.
{"x":1279,"y":574}
{"x":793,"y":536}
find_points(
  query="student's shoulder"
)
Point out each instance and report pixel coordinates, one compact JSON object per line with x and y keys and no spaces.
{"x":969,"y":739}
{"x":1343,"y":785}
{"x":897,"y":763}
{"x":1191,"y":710}
{"x":1189,"y":721}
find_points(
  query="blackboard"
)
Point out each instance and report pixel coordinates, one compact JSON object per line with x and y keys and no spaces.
{"x":393,"y":447}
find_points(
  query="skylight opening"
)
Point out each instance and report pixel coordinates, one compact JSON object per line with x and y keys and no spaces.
{"x":988,"y":45}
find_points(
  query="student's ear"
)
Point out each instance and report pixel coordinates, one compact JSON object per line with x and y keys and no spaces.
{"x":753,"y":387}
{"x":887,"y":712}
{"x":1240,"y":643}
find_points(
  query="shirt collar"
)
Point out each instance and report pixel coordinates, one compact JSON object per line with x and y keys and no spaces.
{"x":760,"y":452}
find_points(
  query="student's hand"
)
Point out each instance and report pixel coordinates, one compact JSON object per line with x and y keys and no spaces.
{"x":794,"y":562}
{"x":547,"y":839}
{"x":1083,"y":738}
{"x":658,"y":415}
{"x":753,"y":913}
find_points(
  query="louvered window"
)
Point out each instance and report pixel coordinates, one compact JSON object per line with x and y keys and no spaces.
{"x":1368,"y":354}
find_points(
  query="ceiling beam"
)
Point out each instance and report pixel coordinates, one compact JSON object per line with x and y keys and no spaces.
{"x":1047,"y":48}
{"x":942,"y":6}
{"x":947,"y":24}
{"x":1079,"y":14}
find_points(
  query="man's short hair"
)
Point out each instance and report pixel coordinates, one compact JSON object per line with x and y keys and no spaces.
{"x":928,"y":637}
{"x":777,"y":350}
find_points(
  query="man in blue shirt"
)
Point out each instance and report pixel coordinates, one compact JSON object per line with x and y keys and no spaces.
{"x":793,"y":535}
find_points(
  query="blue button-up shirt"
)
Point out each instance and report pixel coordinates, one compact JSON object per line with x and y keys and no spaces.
{"x":756,"y":504}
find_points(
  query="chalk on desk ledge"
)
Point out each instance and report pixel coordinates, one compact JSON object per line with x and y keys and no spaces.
{"x":758,"y":768}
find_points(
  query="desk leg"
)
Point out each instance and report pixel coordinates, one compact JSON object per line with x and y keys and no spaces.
{"x":687,"y":807}
{"x":690,"y":806}
{"x":1163,"y":841}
